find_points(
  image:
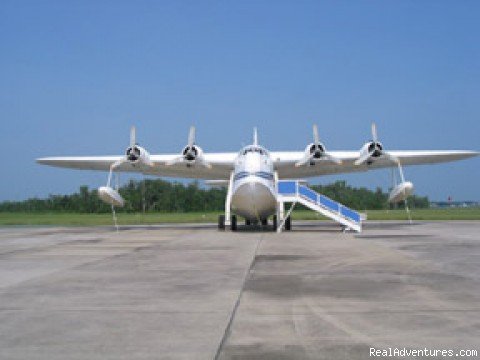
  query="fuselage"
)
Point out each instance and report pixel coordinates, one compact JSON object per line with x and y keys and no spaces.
{"x":253,"y":188}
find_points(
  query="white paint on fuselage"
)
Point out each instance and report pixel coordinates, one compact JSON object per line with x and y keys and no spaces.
{"x":253,"y":189}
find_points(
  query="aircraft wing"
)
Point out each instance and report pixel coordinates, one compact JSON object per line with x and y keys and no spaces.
{"x":221,"y":165}
{"x":285,"y":161}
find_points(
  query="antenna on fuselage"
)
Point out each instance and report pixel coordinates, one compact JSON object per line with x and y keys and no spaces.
{"x":255,"y":136}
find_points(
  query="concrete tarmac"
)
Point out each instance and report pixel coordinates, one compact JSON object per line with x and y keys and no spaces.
{"x":197,"y":293}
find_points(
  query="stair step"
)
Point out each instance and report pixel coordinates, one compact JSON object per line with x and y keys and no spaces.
{"x":292,"y":190}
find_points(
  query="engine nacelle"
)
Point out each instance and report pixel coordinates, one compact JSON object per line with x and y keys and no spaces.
{"x":137,"y":154}
{"x":192,"y":154}
{"x":401,"y":192}
{"x":110,"y":196}
{"x":316,"y":151}
{"x":371,"y":149}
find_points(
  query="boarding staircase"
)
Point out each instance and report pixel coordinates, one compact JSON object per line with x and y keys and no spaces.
{"x":292,"y":191}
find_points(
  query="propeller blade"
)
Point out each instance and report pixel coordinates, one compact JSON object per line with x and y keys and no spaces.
{"x":191,"y":136}
{"x":362,"y":159}
{"x":174,"y":161}
{"x":316,"y":138}
{"x":332,"y":158}
{"x":390,"y":157}
{"x":148,"y":162}
{"x":374,"y":132}
{"x":117,"y":164}
{"x":133,"y":140}
{"x":305,"y":160}
{"x":204,"y":163}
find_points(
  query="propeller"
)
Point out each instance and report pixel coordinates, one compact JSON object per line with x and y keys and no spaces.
{"x":317,"y":151}
{"x":374,"y":150}
{"x":132,"y":154}
{"x":190,"y":154}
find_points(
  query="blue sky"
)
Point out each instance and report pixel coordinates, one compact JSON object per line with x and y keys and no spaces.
{"x":76,"y":74}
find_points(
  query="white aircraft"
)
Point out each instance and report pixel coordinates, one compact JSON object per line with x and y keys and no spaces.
{"x":253,"y":174}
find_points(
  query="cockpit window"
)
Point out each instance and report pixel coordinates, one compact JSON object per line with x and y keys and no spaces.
{"x":254,"y":149}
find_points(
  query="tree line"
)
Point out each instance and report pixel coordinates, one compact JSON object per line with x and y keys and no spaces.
{"x":156,"y":195}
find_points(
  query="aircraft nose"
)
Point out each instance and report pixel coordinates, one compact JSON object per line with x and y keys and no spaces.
{"x":253,"y":200}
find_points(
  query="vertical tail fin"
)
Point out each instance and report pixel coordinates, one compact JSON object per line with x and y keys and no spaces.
{"x":255,"y":136}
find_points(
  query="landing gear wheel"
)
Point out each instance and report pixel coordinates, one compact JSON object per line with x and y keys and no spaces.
{"x":221,"y":222}
{"x":264,"y":222}
{"x":274,"y":220}
{"x":233,"y":223}
{"x":288,"y":224}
